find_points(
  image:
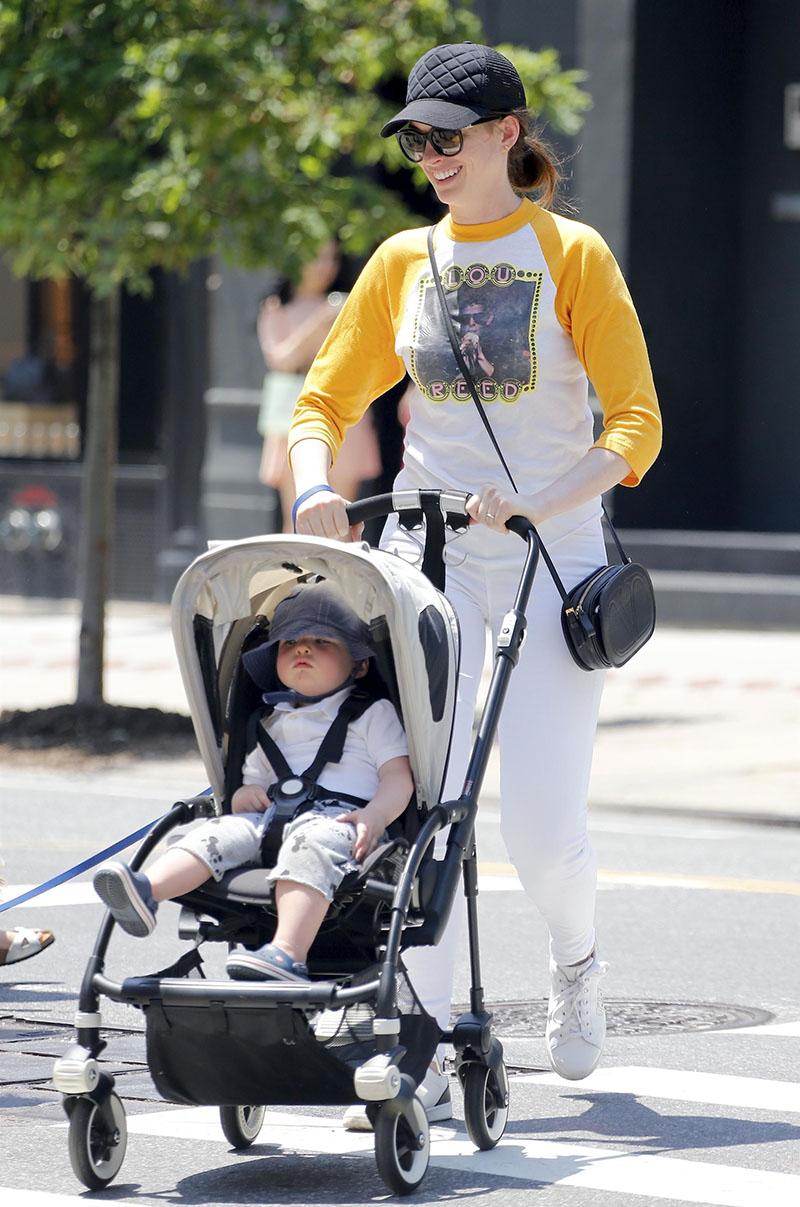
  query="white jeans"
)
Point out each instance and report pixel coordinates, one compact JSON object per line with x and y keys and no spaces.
{"x":546,"y":732}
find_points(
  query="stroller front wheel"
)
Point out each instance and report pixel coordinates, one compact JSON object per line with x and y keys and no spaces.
{"x":96,"y":1152}
{"x":402,"y":1154}
{"x":485,"y":1103}
{"x":241,"y":1124}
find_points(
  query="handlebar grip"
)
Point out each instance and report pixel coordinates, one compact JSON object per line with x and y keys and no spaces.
{"x":521,"y":525}
{"x":452,"y":502}
{"x":369,"y":509}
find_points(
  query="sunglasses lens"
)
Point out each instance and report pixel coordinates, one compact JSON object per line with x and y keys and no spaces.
{"x":412,"y":144}
{"x":447,"y":142}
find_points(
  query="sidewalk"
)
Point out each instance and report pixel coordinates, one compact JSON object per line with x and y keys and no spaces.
{"x":702,"y":720}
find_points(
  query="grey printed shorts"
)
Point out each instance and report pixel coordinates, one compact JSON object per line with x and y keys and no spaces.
{"x":316,"y":850}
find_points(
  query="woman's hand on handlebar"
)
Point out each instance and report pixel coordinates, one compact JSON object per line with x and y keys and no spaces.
{"x":324,"y":514}
{"x":493,"y":508}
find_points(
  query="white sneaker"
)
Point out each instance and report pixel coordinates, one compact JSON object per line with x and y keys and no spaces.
{"x":433,"y":1093}
{"x":576,"y":1018}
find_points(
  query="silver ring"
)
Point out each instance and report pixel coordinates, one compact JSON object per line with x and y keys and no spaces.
{"x":489,"y":515}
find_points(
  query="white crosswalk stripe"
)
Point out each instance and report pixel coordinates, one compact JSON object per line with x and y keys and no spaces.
{"x":528,"y":1159}
{"x":679,"y":1085}
{"x":520,"y":1157}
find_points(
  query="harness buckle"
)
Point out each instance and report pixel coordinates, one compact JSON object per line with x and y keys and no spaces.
{"x":287,"y":794}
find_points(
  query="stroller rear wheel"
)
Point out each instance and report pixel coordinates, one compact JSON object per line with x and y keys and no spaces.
{"x":485,"y":1103}
{"x":402,"y":1153}
{"x":96,"y":1152}
{"x":241,"y":1124}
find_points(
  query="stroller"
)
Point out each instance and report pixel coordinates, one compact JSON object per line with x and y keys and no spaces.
{"x":356,"y":1033}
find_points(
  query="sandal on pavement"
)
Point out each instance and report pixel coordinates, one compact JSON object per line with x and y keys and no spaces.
{"x":25,"y":943}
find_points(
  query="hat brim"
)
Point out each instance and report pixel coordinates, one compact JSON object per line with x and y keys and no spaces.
{"x":443,"y":114}
{"x":300,"y":628}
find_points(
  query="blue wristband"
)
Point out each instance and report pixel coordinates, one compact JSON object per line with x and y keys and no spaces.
{"x":312,"y":490}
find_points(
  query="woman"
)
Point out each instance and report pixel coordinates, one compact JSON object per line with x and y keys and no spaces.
{"x":541,"y":304}
{"x":291,"y":327}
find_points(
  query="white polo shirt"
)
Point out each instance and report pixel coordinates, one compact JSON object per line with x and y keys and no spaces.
{"x":372,"y":739}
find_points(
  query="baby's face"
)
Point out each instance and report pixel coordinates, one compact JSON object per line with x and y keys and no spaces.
{"x":313,"y":665}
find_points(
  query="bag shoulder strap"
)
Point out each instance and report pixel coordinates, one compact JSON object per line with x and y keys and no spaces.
{"x":470,"y":382}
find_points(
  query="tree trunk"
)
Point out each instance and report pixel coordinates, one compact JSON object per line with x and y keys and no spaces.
{"x":97,"y":494}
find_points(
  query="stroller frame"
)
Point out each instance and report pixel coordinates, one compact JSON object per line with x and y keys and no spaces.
{"x":96,"y":1116}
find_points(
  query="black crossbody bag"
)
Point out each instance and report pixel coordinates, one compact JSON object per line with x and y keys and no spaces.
{"x":608,"y":616}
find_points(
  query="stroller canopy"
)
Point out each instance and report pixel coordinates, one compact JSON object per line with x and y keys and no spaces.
{"x":225,"y":591}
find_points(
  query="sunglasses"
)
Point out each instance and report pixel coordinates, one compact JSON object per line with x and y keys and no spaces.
{"x":444,"y":142}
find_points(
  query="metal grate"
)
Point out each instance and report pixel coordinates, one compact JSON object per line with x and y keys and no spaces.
{"x":629,"y":1017}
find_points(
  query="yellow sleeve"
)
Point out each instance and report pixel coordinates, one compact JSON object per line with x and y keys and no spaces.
{"x":357,"y":363}
{"x":595,"y":308}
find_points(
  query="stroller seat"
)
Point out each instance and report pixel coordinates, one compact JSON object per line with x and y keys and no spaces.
{"x":242,"y":909}
{"x":249,"y":885}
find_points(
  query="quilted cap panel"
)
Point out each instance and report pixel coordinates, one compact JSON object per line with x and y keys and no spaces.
{"x":467,"y":74}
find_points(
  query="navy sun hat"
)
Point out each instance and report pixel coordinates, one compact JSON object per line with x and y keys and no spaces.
{"x":453,"y":86}
{"x":313,"y":610}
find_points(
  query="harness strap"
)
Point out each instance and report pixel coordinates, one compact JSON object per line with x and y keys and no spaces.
{"x":332,"y":747}
{"x":330,"y":750}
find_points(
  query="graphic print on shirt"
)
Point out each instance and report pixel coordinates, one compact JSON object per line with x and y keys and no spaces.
{"x":494,"y":311}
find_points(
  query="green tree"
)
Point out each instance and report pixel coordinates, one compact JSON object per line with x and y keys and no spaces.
{"x":144,"y":134}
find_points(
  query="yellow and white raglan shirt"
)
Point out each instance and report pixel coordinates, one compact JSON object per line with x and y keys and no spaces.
{"x":541,"y":309}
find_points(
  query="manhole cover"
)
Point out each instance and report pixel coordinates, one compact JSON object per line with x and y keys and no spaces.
{"x":631,"y":1017}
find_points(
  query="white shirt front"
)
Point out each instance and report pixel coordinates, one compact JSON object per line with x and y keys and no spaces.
{"x":372,"y":739}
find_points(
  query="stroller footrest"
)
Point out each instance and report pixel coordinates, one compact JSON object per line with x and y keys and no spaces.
{"x":178,"y":991}
{"x":142,"y":991}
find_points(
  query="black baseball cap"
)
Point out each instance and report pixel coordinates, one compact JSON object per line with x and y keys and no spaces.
{"x":453,"y":86}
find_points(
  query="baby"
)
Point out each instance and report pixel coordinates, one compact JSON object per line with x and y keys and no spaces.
{"x":323,"y":650}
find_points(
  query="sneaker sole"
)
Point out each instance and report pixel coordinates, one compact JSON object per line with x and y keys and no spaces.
{"x":442,"y":1110}
{"x":116,"y":889}
{"x":355,"y":1118}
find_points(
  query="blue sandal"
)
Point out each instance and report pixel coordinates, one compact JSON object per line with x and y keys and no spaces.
{"x":267,"y":963}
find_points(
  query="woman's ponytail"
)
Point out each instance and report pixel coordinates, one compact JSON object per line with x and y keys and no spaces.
{"x":532,"y":165}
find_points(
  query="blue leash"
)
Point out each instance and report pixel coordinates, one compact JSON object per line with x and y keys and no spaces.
{"x":81,"y":867}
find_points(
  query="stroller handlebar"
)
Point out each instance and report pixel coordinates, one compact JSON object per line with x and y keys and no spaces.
{"x":451,"y":503}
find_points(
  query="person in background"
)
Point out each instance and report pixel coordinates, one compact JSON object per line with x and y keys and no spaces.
{"x":292,"y":326}
{"x":22,"y":942}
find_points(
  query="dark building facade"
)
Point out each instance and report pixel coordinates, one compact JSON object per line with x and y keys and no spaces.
{"x":689,"y":165}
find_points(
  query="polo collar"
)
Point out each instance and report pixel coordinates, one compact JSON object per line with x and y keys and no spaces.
{"x":328,"y":707}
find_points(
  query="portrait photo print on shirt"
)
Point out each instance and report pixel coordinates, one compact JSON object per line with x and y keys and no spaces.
{"x":494,"y":309}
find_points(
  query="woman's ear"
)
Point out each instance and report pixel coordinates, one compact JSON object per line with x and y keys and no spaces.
{"x":360,"y":668}
{"x":509,"y":131}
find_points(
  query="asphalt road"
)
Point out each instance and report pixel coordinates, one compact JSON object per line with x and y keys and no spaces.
{"x":698,"y":921}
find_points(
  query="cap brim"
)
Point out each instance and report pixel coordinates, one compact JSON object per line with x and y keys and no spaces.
{"x":300,"y":628}
{"x":443,"y":114}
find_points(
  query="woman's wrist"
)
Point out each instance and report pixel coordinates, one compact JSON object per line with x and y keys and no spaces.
{"x":307,"y":494}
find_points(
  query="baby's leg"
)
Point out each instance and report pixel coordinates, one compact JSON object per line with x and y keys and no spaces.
{"x":311,"y":864}
{"x":176,"y":872}
{"x":210,"y":850}
{"x":301,"y":912}
{"x":312,"y":861}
